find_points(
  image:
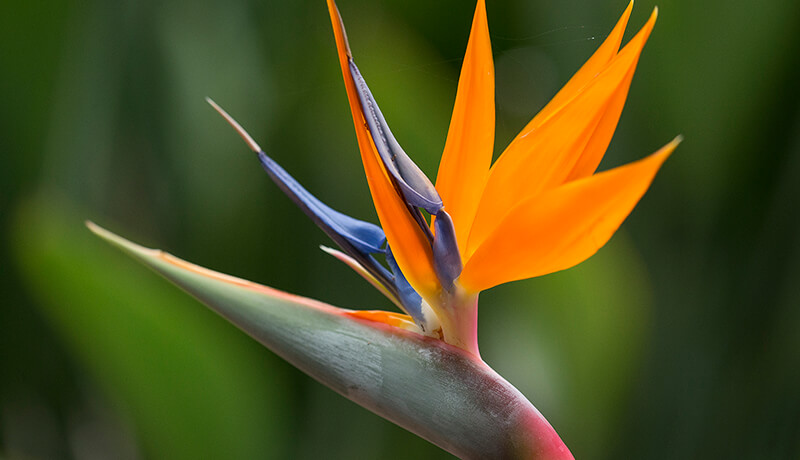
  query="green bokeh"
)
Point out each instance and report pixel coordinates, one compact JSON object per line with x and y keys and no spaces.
{"x":680,"y":339}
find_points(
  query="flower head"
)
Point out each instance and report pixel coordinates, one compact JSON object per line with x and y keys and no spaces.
{"x":538,"y":209}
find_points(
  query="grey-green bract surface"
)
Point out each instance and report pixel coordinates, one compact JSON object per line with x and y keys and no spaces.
{"x":437,"y":391}
{"x":434,"y":390}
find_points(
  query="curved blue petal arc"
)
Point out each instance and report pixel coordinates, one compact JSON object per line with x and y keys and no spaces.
{"x":364,"y":236}
{"x":357,"y":238}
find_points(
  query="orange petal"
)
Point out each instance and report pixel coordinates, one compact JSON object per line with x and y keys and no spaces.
{"x":409,"y":244}
{"x":596,"y":148}
{"x":604,"y":54}
{"x":470,"y":140}
{"x":561,"y":227}
{"x":544,"y":158}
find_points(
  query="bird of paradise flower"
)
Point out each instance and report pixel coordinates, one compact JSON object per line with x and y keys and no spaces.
{"x":538,"y":209}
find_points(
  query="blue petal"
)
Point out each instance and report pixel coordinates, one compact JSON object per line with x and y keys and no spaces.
{"x":446,"y":257}
{"x":357,"y":238}
{"x":417,"y":189}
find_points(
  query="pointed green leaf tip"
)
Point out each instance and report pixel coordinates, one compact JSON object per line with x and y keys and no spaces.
{"x":428,"y":387}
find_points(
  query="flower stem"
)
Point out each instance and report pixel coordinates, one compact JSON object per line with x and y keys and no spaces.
{"x":458,"y":314}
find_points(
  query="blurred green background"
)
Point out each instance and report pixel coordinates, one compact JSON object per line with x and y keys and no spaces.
{"x":679,"y":339}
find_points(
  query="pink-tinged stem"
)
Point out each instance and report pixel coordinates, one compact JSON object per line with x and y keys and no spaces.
{"x":458,"y":314}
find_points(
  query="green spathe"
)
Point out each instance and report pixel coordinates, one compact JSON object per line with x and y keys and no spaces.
{"x":434,"y":390}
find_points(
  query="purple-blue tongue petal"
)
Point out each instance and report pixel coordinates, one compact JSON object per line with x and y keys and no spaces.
{"x":415,"y":186}
{"x":417,"y":189}
{"x":357,"y":238}
{"x":364,"y":236}
{"x":446,"y":258}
